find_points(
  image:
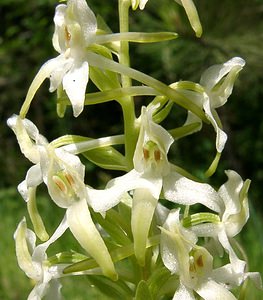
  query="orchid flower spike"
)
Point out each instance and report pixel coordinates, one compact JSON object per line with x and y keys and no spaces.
{"x":75,"y":27}
{"x":63,"y":174}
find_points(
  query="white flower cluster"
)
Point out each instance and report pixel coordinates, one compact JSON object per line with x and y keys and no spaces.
{"x":186,"y":243}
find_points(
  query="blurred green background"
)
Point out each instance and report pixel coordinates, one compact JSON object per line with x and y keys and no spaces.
{"x":230,"y":28}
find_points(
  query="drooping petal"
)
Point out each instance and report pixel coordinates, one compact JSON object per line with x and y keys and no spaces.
{"x":143,"y":208}
{"x":74,"y":83}
{"x":212,"y":116}
{"x":181,"y":190}
{"x":86,"y":233}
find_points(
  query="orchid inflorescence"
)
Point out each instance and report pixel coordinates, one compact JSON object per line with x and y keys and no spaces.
{"x":130,"y":238}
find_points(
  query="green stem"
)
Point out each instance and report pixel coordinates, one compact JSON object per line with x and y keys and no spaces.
{"x":127,"y":102}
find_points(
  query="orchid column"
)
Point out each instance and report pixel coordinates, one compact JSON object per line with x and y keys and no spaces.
{"x":155,"y":231}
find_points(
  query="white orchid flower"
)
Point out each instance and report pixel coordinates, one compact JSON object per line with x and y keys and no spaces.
{"x":194,"y":264}
{"x":75,"y":27}
{"x":63,"y":174}
{"x":32,"y":260}
{"x":232,"y":219}
{"x":152,"y":174}
{"x":217,"y":81}
{"x":189,"y":8}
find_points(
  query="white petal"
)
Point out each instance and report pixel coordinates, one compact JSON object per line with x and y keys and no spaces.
{"x":84,"y":16}
{"x":183,"y":293}
{"x":59,"y":35}
{"x":57,"y":74}
{"x":229,"y":192}
{"x":221,"y":136}
{"x":213,"y":75}
{"x":39,"y":253}
{"x":210,"y":290}
{"x":38,"y":292}
{"x":182,"y":190}
{"x":54,"y":290}
{"x":34,"y":176}
{"x":103,"y":200}
{"x":74,"y":83}
{"x":238,"y":265}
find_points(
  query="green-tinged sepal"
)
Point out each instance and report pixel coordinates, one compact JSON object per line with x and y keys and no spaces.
{"x":143,"y":208}
{"x":163,"y":110}
{"x":35,"y":217}
{"x":142,"y":291}
{"x":212,"y":168}
{"x":61,"y":106}
{"x":185,"y":130}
